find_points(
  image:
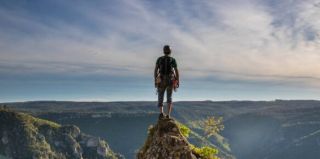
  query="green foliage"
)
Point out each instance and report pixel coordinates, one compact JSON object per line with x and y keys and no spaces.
{"x":185,"y":131}
{"x":205,"y":152}
{"x":34,"y":123}
{"x":213,"y":125}
{"x":217,"y":126}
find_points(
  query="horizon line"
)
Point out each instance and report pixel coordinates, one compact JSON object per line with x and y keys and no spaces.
{"x":101,"y":101}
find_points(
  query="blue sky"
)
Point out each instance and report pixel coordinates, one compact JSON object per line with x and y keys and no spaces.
{"x":105,"y":50}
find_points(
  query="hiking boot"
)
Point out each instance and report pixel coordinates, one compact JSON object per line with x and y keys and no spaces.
{"x":161,"y":116}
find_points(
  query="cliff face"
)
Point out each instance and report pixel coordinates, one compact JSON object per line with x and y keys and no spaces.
{"x":165,"y":141}
{"x":25,"y":137}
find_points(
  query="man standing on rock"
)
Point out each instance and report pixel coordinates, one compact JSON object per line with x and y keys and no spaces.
{"x":166,"y":77}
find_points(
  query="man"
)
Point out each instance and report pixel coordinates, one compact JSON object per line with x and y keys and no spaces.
{"x":166,"y":77}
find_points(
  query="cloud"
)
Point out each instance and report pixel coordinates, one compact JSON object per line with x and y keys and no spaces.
{"x":244,"y":40}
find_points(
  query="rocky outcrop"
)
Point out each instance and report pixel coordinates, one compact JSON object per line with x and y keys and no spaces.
{"x":23,"y":136}
{"x":165,"y":141}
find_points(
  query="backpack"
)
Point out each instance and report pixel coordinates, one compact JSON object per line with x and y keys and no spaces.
{"x":165,"y":65}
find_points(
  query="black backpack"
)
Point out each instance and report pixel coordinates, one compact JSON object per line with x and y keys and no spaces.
{"x":165,"y":65}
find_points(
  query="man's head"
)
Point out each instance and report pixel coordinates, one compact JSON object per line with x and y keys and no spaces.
{"x":166,"y":50}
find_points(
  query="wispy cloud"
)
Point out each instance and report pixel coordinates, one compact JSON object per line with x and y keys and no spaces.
{"x":244,"y":40}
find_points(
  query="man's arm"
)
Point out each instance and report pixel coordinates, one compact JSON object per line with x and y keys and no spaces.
{"x":177,"y":74}
{"x":176,"y":71}
{"x":155,"y":74}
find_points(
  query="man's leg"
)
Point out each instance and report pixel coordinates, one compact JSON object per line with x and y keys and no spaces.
{"x":169,"y":109}
{"x":160,"y":101}
{"x":161,"y":109}
{"x":169,"y":100}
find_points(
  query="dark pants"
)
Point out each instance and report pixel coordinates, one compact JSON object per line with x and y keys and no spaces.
{"x":165,"y":86}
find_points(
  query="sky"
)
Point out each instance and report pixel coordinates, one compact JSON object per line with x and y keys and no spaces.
{"x":105,"y":50}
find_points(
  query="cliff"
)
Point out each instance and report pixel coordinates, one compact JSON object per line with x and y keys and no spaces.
{"x":166,"y":141}
{"x":23,"y":136}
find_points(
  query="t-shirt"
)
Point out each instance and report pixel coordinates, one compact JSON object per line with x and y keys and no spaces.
{"x":166,"y":64}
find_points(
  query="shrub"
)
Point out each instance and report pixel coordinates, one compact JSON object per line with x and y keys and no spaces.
{"x":185,"y":131}
{"x":206,"y":152}
{"x":211,"y":126}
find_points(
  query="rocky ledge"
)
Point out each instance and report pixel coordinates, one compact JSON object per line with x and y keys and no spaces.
{"x":165,"y":141}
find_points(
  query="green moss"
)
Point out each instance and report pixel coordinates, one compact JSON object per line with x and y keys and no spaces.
{"x":185,"y":131}
{"x":36,"y":122}
{"x":205,"y":152}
